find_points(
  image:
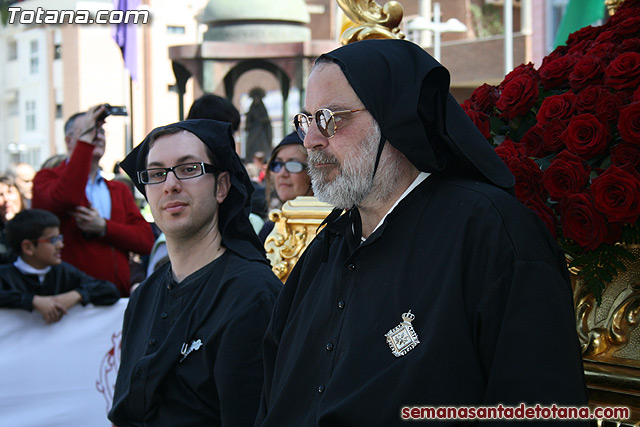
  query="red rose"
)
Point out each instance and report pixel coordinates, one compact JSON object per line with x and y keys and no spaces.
{"x":558,"y":52}
{"x":624,"y":154}
{"x":585,"y":33}
{"x":545,"y":213}
{"x":629,"y":123}
{"x":628,"y":27}
{"x":518,"y":96}
{"x":581,"y":46}
{"x":624,"y":71}
{"x":609,"y":106}
{"x":522,"y":69}
{"x":555,"y":73}
{"x":552,"y":134}
{"x":616,"y":193}
{"x":629,"y":45}
{"x":568,"y":174}
{"x":528,"y":177}
{"x":586,"y":136}
{"x":588,"y":99}
{"x":556,"y":107}
{"x":607,"y":36}
{"x":605,"y":51}
{"x":636,"y":95}
{"x":588,"y":71}
{"x":481,"y":120}
{"x":581,"y":222}
{"x":509,"y":149}
{"x":533,"y":141}
{"x":466,"y":106}
{"x":484,"y":98}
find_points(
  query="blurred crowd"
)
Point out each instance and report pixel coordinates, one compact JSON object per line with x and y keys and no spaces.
{"x":94,"y":238}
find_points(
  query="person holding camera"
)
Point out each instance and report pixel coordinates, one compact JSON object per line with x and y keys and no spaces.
{"x":99,"y":218}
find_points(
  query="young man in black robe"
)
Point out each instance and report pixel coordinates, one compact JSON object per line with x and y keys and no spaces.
{"x":191,"y":340}
{"x":430,"y":285}
{"x":39,"y":279}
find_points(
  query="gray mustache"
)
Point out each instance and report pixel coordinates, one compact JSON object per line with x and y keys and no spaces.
{"x":315,"y":157}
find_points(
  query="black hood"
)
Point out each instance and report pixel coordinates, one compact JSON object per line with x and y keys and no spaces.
{"x":407,"y":93}
{"x":236,"y":230}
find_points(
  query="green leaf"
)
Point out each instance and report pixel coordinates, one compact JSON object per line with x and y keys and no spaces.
{"x":498,"y":127}
{"x":545,"y":162}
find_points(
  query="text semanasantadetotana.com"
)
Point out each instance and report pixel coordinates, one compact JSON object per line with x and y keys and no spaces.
{"x":521,"y":412}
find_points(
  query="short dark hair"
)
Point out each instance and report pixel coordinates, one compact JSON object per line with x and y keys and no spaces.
{"x":214,"y":107}
{"x":171,"y":130}
{"x":68,"y":125}
{"x":29,"y":225}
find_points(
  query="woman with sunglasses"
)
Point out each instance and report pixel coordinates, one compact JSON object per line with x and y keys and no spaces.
{"x":287,"y":175}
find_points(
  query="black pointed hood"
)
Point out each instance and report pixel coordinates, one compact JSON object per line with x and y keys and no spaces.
{"x":407,"y":92}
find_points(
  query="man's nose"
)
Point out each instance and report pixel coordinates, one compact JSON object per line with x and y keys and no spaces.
{"x":172,"y":183}
{"x":314,"y":139}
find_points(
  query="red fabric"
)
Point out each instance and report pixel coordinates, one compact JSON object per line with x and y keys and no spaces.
{"x":61,"y":189}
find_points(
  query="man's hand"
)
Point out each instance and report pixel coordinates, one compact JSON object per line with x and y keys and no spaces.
{"x":68,"y":299}
{"x":88,"y":123}
{"x":49,"y":307}
{"x":89,"y":220}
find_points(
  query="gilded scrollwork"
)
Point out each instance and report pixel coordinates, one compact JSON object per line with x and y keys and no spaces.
{"x":607,"y":331}
{"x":613,"y":5}
{"x":295,"y":227}
{"x":372,"y":20}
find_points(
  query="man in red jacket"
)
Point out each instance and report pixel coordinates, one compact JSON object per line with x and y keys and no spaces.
{"x":99,"y":219}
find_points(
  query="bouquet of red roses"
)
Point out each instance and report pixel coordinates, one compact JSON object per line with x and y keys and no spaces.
{"x":570,"y":134}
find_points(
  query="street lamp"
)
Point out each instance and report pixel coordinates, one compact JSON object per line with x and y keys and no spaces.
{"x":452,"y":25}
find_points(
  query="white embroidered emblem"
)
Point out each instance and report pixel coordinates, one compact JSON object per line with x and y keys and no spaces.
{"x":195,"y":345}
{"x":403,"y":338}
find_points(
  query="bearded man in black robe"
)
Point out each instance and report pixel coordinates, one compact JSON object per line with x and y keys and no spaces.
{"x":192,"y":334}
{"x":430,"y":285}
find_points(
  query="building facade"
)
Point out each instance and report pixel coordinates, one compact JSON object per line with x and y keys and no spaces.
{"x":51,"y":71}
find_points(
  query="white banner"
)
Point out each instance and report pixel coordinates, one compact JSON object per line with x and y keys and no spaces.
{"x":61,"y":374}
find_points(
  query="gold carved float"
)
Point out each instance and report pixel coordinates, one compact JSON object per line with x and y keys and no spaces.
{"x":372,"y":20}
{"x":296,"y":224}
{"x":610,"y":339}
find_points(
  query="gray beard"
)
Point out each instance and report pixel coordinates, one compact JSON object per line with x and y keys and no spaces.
{"x":354,"y":186}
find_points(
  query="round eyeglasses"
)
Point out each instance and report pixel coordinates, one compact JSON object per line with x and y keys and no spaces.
{"x":183,"y":171}
{"x":325,"y":120}
{"x":291,"y":166}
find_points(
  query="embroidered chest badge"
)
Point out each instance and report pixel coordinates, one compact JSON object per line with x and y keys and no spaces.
{"x":403,"y":338}
{"x":186,"y":349}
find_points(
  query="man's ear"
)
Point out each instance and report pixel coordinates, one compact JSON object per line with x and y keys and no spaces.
{"x":223,"y":184}
{"x":28,"y":247}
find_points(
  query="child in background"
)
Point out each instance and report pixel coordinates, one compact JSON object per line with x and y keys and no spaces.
{"x":39,"y":279}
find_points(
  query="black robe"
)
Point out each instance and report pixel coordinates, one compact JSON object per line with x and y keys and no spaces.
{"x":18,"y":289}
{"x":492,"y":303}
{"x":225,"y":305}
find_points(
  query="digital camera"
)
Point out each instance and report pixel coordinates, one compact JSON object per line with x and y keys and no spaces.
{"x":112,"y":110}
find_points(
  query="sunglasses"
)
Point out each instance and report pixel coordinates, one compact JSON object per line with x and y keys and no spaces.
{"x":292,"y":166}
{"x":325,"y":120}
{"x":53,"y":240}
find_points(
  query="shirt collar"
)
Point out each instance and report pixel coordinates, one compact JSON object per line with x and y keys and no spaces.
{"x":25,"y":268}
{"x":421,"y":177}
{"x":99,"y":178}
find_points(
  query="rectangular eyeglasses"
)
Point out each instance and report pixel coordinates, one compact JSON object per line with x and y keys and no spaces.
{"x":181,"y":172}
